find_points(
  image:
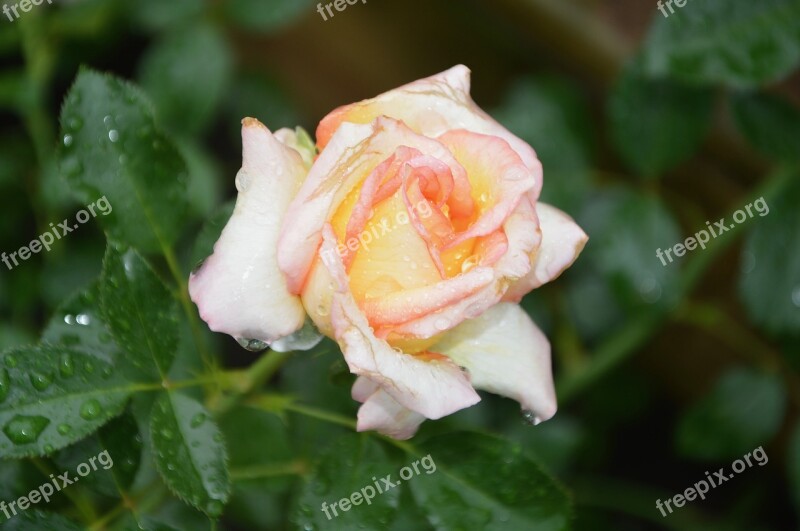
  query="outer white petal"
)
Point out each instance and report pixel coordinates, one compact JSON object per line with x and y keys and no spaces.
{"x":382,"y":413}
{"x":505,"y":354}
{"x":433,"y":387}
{"x":239,"y":290}
{"x":562,"y":242}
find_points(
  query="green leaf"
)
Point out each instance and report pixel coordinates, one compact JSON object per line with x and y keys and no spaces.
{"x":40,"y":521}
{"x":262,"y":478}
{"x":625,"y":230}
{"x":116,"y":449}
{"x":769,"y":282}
{"x":736,"y":42}
{"x":742,"y":411}
{"x":78,"y":324}
{"x":771,"y":124}
{"x":205,"y":177}
{"x":159,"y":15}
{"x":346,"y":470}
{"x":53,"y":396}
{"x":550,"y":114}
{"x":141,"y":313}
{"x":480,"y":482}
{"x":112,"y":149}
{"x":186,"y":73}
{"x":190,"y":453}
{"x":266,"y":17}
{"x":656,"y":124}
{"x":258,"y":95}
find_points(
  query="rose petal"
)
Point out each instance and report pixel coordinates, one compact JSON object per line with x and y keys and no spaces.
{"x":432,"y":386}
{"x":352,"y":154}
{"x":382,"y":413}
{"x":506,"y":354}
{"x":562,"y":242}
{"x":239,"y":290}
{"x":431,"y":107}
{"x":523,"y":237}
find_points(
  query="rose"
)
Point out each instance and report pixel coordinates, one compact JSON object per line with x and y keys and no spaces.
{"x":426,"y":312}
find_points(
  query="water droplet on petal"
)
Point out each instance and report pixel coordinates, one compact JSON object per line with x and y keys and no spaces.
{"x":530,"y":417}
{"x":253,"y":345}
{"x":306,"y":338}
{"x":442,"y":323}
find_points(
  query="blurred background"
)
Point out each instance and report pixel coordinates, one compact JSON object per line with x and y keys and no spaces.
{"x":647,"y":126}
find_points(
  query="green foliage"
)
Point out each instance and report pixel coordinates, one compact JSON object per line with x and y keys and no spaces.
{"x":743,"y":411}
{"x":656,"y":124}
{"x":347,"y":467}
{"x":113,"y":149}
{"x":266,"y":16}
{"x":770,"y":279}
{"x":771,"y":124}
{"x":170,"y":71}
{"x":735,"y":42}
{"x":551,"y":115}
{"x":486,"y":483}
{"x":141,"y":313}
{"x":53,"y":396}
{"x":190,"y":452}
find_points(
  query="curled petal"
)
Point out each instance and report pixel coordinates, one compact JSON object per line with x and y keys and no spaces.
{"x":506,"y":354}
{"x":382,"y":413}
{"x":562,"y":242}
{"x":239,"y":290}
{"x":431,"y":107}
{"x":352,"y":154}
{"x":430,"y":384}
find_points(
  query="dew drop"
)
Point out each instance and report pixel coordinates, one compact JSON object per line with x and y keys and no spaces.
{"x":88,"y":367}
{"x":40,"y":381}
{"x":113,"y":135}
{"x":11,"y":361}
{"x":91,"y":409}
{"x":253,"y":345}
{"x":24,"y":429}
{"x":214,"y":508}
{"x":530,"y":417}
{"x":470,"y":262}
{"x":796,"y":296}
{"x":242,"y":181}
{"x":66,"y":366}
{"x":83,"y":319}
{"x":442,"y":323}
{"x":198,"y":420}
{"x":67,"y":140}
{"x":64,"y":429}
{"x":167,"y":434}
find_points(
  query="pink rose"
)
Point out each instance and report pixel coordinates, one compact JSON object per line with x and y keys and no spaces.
{"x":409,"y":241}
